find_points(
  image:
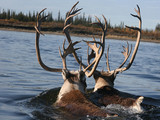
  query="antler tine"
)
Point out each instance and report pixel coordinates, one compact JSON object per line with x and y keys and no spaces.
{"x":39,"y":21}
{"x":41,"y":12}
{"x":72,"y":10}
{"x":138,"y":40}
{"x":126,"y":52}
{"x":63,"y":59}
{"x":104,"y":28}
{"x":67,"y":51}
{"x":94,"y":40}
{"x":65,"y":22}
{"x":94,"y":48}
{"x":98,"y":23}
{"x":90,"y":56}
{"x":96,"y":58}
{"x":107,"y":59}
{"x":72,"y":13}
{"x":80,"y":67}
{"x":38,"y":32}
{"x":140,"y":20}
{"x":63,"y":46}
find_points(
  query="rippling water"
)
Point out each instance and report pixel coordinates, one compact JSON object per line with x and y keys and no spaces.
{"x":22,"y":78}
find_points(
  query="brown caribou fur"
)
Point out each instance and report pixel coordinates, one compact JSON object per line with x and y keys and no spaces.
{"x":72,"y":98}
{"x":77,"y":104}
{"x":109,"y":95}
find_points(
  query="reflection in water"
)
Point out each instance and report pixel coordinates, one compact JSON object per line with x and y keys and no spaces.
{"x":21,"y":77}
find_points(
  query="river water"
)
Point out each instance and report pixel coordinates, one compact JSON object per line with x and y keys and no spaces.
{"x":22,"y":78}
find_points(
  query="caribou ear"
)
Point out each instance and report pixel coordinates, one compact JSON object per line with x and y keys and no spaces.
{"x":140,"y":100}
{"x":65,"y":74}
{"x":81,"y":76}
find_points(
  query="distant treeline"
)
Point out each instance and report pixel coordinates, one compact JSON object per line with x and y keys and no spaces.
{"x":31,"y":17}
{"x":79,"y":19}
{"x":157,"y":27}
{"x":81,"y":24}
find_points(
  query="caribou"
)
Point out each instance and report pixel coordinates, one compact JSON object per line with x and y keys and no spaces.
{"x":71,"y":96}
{"x":104,"y":80}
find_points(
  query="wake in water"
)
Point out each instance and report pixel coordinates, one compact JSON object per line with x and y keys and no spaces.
{"x":40,"y":108}
{"x":121,"y":110}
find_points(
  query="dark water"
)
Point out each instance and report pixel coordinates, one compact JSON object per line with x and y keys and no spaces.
{"x":22,"y":78}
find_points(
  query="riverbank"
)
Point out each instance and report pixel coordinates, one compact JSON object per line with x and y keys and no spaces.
{"x":81,"y":35}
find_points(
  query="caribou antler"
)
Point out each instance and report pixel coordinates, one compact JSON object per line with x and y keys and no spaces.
{"x":120,"y":69}
{"x":106,"y":78}
{"x":126,"y":51}
{"x":107,"y":60}
{"x":126,"y":54}
{"x":67,"y":51}
{"x":96,"y":52}
{"x":38,"y":32}
{"x":73,"y":12}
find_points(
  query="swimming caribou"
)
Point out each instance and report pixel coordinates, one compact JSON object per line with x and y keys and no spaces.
{"x":104,"y":80}
{"x":71,"y":96}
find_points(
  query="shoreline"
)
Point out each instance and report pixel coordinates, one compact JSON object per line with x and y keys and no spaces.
{"x":81,"y":35}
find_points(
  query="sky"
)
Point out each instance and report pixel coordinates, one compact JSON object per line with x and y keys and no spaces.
{"x":116,"y":11}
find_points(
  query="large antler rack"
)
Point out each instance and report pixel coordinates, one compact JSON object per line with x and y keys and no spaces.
{"x":126,"y":51}
{"x":96,"y":52}
{"x":67,"y":51}
{"x":73,"y":12}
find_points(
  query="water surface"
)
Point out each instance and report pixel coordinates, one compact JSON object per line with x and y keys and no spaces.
{"x":22,"y":78}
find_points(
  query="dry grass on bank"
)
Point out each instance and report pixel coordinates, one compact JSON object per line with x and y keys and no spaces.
{"x":57,"y":27}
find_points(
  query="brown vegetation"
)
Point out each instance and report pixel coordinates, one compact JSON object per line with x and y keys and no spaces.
{"x":116,"y":33}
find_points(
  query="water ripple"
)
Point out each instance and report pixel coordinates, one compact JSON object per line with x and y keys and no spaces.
{"x":5,"y":75}
{"x":22,"y":77}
